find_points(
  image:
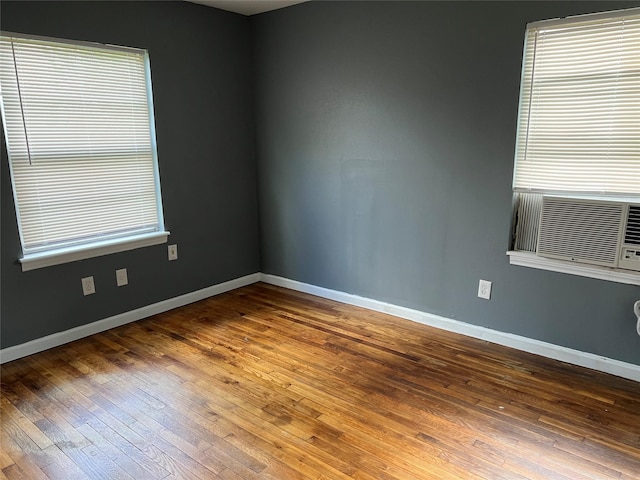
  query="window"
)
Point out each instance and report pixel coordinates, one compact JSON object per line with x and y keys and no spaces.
{"x":579,"y":118}
{"x":79,"y":128}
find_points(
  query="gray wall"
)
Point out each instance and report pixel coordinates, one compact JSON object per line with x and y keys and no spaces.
{"x":201,"y":71}
{"x":385,"y":136}
{"x":385,"y":139}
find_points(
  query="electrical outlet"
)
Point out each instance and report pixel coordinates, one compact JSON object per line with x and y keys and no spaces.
{"x":88,"y":287}
{"x":121,"y":277}
{"x":173,"y":252}
{"x":484,"y":289}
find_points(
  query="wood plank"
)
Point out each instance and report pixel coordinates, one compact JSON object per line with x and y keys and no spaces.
{"x":267,"y":383}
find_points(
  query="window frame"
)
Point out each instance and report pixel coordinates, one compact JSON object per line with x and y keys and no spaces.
{"x":74,"y":249}
{"x":532,"y":88}
{"x":530,"y":259}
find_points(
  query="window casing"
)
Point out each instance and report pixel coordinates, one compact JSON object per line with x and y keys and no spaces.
{"x":79,"y":128}
{"x":579,"y":122}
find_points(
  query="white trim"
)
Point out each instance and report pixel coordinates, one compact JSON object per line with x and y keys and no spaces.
{"x":589,"y":17}
{"x":56,"y":339}
{"x":79,"y":43}
{"x":556,"y":352}
{"x":530,"y":259}
{"x":564,"y":354}
{"x":82,"y":252}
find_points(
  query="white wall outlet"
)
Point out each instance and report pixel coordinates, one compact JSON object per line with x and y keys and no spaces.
{"x":173,"y":252}
{"x":484,"y":289}
{"x":88,"y":287}
{"x":121,"y":277}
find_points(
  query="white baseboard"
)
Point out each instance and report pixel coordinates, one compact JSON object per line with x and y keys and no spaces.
{"x":564,"y":354}
{"x":56,"y":339}
{"x":549,"y":350}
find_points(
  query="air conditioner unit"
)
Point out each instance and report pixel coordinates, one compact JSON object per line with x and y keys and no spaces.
{"x":592,"y":231}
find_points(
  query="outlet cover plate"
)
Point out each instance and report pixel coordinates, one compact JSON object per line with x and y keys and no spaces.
{"x":484,"y":289}
{"x":173,"y":252}
{"x":121,"y":277}
{"x":88,"y":287}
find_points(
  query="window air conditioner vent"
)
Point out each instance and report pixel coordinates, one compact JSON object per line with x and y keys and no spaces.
{"x":582,"y":231}
{"x":527,"y":221}
{"x":632,"y":232}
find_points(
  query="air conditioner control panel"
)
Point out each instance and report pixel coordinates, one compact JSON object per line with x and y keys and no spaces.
{"x":630,"y":257}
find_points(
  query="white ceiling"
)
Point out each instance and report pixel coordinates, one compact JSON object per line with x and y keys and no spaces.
{"x":248,"y":7}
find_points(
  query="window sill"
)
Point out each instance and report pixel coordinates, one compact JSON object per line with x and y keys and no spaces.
{"x":72,"y":254}
{"x":528,"y":259}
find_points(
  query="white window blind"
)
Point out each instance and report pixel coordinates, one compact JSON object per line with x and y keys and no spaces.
{"x":579,"y":118}
{"x":80,"y":136}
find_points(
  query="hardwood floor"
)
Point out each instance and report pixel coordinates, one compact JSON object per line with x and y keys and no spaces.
{"x":267,"y":383}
